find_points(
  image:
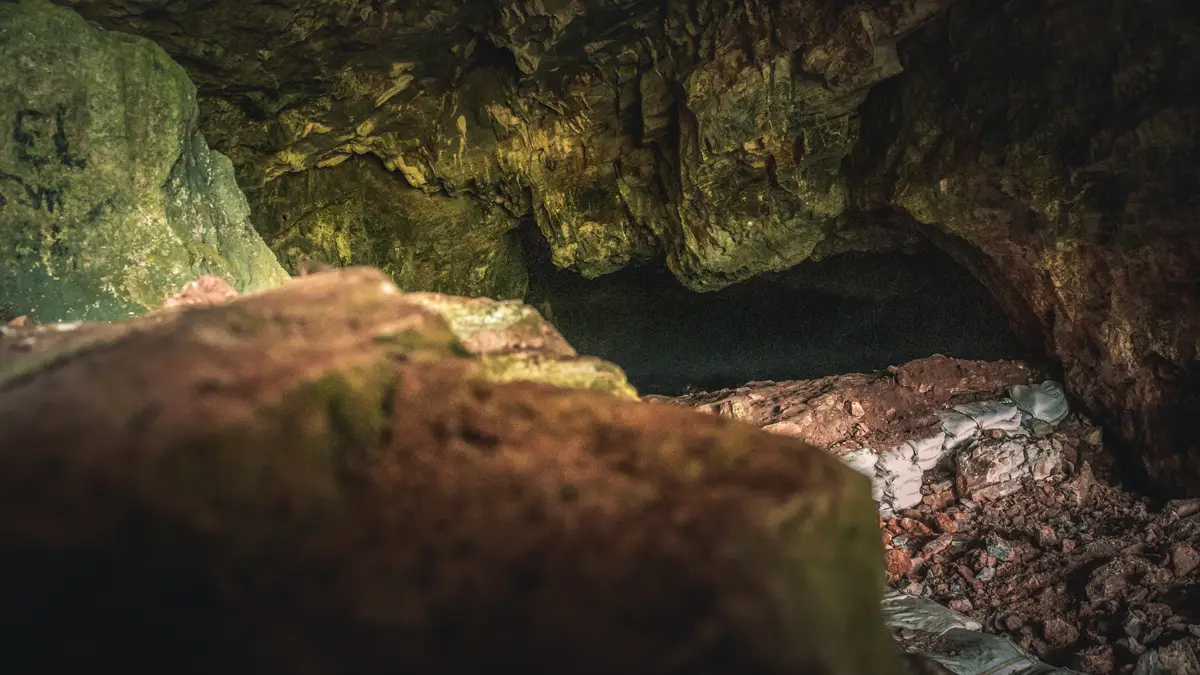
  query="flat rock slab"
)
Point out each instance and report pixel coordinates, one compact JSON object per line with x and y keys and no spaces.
{"x":322,"y":479}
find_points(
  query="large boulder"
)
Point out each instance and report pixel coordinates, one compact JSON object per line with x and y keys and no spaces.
{"x":110,"y":198}
{"x":324,"y":479}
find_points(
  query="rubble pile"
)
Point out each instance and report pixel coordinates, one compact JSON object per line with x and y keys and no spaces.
{"x":1076,"y":570}
{"x":1016,"y":520}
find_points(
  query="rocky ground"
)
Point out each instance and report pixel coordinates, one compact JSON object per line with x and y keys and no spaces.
{"x":1076,"y":569}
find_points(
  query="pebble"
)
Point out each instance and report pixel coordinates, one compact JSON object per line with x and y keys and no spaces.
{"x":899,"y":562}
{"x":1059,"y":633}
{"x":999,"y":548}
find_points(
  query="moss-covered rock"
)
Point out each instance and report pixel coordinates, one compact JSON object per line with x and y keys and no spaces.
{"x":109,"y":197}
{"x":712,"y":134}
{"x":319,"y":479}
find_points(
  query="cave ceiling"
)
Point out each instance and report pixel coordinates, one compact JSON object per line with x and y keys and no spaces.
{"x":1050,"y":145}
{"x":711,"y":132}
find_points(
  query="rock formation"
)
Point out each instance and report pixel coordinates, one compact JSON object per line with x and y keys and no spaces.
{"x":1050,"y":146}
{"x":109,"y":197}
{"x":1053,"y":148}
{"x":322,"y":479}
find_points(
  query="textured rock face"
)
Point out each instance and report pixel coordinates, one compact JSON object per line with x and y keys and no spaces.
{"x":713,"y":133}
{"x":1050,"y":145}
{"x":321,"y":480}
{"x":109,"y":197}
{"x":1062,"y":168}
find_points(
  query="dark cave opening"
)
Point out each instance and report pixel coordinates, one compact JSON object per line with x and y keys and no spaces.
{"x":854,"y":312}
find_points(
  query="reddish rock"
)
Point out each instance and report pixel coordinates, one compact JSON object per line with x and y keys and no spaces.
{"x":1097,"y":659}
{"x":321,"y":480}
{"x":202,"y":291}
{"x":899,"y":562}
{"x":944,"y":523}
{"x":896,"y":406}
{"x":915,"y":526}
{"x":1059,"y":633}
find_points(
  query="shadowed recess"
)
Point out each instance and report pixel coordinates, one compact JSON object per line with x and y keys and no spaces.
{"x":853,"y":312}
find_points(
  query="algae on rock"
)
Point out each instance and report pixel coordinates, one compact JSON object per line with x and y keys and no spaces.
{"x":110,"y":199}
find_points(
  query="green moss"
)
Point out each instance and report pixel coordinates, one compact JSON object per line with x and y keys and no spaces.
{"x":570,"y":373}
{"x":110,"y":199}
{"x":417,"y":340}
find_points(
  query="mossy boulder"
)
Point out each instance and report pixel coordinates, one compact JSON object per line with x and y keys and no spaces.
{"x":110,"y":199}
{"x":320,"y":479}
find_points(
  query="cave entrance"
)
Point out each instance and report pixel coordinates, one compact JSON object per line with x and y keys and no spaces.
{"x":855,"y":312}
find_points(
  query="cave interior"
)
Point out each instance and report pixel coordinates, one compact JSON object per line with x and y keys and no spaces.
{"x":728,"y":200}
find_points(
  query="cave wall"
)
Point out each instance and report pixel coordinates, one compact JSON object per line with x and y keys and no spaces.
{"x":1049,"y":144}
{"x":713,"y":133}
{"x":1053,"y":146}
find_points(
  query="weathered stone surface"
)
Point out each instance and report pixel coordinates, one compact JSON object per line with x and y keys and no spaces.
{"x":357,"y":213}
{"x":994,"y":468}
{"x":109,"y":197}
{"x":205,"y":290}
{"x":321,"y":480}
{"x":1068,"y":182}
{"x":896,"y":426}
{"x":881,"y":409}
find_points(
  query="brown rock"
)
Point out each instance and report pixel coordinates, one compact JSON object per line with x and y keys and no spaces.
{"x":937,"y":545}
{"x":1059,"y":632}
{"x":1184,"y":559}
{"x":915,"y":526}
{"x":1080,"y":486}
{"x":899,"y":562}
{"x":20,"y":322}
{"x":202,"y":291}
{"x":944,"y":523}
{"x":1098,"y":659}
{"x":320,"y":480}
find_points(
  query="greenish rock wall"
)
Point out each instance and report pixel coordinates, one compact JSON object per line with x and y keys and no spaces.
{"x":357,"y":214}
{"x":709,"y":134}
{"x":110,"y":199}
